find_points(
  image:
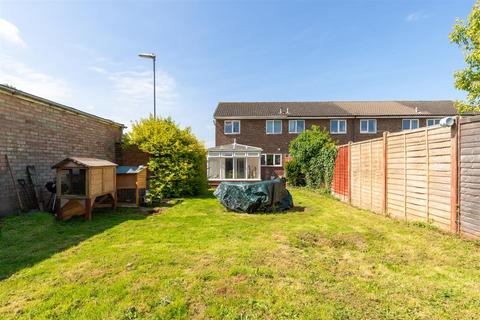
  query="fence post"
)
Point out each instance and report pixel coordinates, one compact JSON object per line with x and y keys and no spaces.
{"x":405,"y":175}
{"x":454,"y":179}
{"x":427,"y":158}
{"x":350,"y":172}
{"x":384,"y":187}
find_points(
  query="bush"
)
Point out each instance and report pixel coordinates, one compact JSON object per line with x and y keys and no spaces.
{"x":293,"y":173}
{"x":177,"y":159}
{"x":315,"y":152}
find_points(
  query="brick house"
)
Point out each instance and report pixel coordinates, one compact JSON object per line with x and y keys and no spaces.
{"x":271,"y":126}
{"x":36,"y":131}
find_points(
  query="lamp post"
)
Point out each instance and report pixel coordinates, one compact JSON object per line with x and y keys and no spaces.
{"x":153,"y":57}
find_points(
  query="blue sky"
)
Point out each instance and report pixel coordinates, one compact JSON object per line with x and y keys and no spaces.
{"x":84,"y":54}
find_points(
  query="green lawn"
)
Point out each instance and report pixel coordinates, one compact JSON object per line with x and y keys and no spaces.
{"x":196,"y":260}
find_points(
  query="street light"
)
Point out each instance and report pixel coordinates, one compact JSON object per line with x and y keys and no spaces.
{"x":153,"y":57}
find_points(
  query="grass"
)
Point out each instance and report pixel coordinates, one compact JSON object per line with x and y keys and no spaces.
{"x":196,"y":260}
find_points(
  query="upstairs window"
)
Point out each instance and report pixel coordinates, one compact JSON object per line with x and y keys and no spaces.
{"x":231,"y":127}
{"x":296,"y":126}
{"x":273,"y":160}
{"x":368,"y":126}
{"x":432,"y":122}
{"x":410,"y":124}
{"x":338,"y":126}
{"x":274,"y":126}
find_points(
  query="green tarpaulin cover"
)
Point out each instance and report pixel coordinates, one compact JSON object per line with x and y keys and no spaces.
{"x":250,"y":197}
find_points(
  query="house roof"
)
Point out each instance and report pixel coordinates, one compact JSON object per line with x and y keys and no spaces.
{"x":235,"y":147}
{"x":130,"y":169}
{"x":86,"y":162}
{"x":31,"y":97}
{"x":334,"y":109}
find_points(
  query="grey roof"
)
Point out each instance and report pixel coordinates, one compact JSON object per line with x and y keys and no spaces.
{"x":16,"y":92}
{"x":129,"y":170}
{"x":235,"y":147}
{"x":334,"y":109}
{"x":86,"y":162}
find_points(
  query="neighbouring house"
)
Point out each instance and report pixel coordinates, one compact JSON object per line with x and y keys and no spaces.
{"x":266,"y":128}
{"x":39,"y":132}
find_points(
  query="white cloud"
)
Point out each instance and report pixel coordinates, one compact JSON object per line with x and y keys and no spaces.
{"x":133,"y":90}
{"x":10,"y":33}
{"x":416,"y":16}
{"x":25,"y":78}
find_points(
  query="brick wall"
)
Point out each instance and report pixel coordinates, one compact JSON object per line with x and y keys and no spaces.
{"x":33,"y":133}
{"x":252,"y":133}
{"x":132,"y":156}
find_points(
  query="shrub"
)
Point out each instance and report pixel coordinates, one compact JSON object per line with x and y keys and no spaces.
{"x":177,"y":159}
{"x":293,"y":172}
{"x":315,"y":152}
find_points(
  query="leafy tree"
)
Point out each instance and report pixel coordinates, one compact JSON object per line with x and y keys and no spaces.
{"x":293,"y":173}
{"x":177,"y":159}
{"x":315,"y":152}
{"x":466,"y":34}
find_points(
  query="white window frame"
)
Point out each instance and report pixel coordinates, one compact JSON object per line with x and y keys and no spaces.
{"x":231,"y":121}
{"x":338,"y":132}
{"x":231,"y":155}
{"x":433,"y":120}
{"x":264,"y":156}
{"x":266,"y":127}
{"x":368,"y":126}
{"x":410,"y":124}
{"x":296,"y":125}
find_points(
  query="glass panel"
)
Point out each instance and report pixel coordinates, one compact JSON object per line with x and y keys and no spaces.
{"x":363,"y":125}
{"x":227,"y":154}
{"x":300,"y":126}
{"x":252,"y":166}
{"x":240,"y":168}
{"x":278,"y":126}
{"x":236,"y":126}
{"x":228,"y":168}
{"x":269,"y":126}
{"x":228,"y":127}
{"x":240,"y":154}
{"x":429,"y":123}
{"x":372,"y":126}
{"x":252,"y":154}
{"x":291,"y":126}
{"x":414,"y":123}
{"x":263,"y":157}
{"x":278,"y":159}
{"x":269,"y":159}
{"x":406,"y":124}
{"x":341,"y":126}
{"x":334,"y":126}
{"x":213,"y":168}
{"x":214,"y":154}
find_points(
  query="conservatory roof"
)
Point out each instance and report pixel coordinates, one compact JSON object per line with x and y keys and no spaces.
{"x":235,"y":147}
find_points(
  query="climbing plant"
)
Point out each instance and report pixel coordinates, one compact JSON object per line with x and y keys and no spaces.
{"x":315,"y":152}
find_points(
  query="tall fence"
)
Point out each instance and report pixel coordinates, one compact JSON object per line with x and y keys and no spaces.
{"x":469,"y":177}
{"x":409,"y":175}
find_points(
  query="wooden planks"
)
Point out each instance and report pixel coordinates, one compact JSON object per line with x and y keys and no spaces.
{"x":469,"y":177}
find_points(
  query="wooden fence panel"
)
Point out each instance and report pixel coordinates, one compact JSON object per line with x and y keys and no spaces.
{"x":408,"y":175}
{"x":340,"y":180}
{"x":366,"y":175}
{"x":469,"y":177}
{"x":419,"y":169}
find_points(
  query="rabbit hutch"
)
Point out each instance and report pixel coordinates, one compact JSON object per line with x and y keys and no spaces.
{"x":131,"y":185}
{"x":82,"y":181}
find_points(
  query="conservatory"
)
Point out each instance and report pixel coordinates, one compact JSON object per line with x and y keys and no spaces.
{"x":233,"y":162}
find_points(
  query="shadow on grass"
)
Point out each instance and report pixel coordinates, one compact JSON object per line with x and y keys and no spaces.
{"x":28,"y":239}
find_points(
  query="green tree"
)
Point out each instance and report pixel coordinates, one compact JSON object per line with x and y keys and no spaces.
{"x":177,"y":159}
{"x":315,"y":152}
{"x":466,"y":34}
